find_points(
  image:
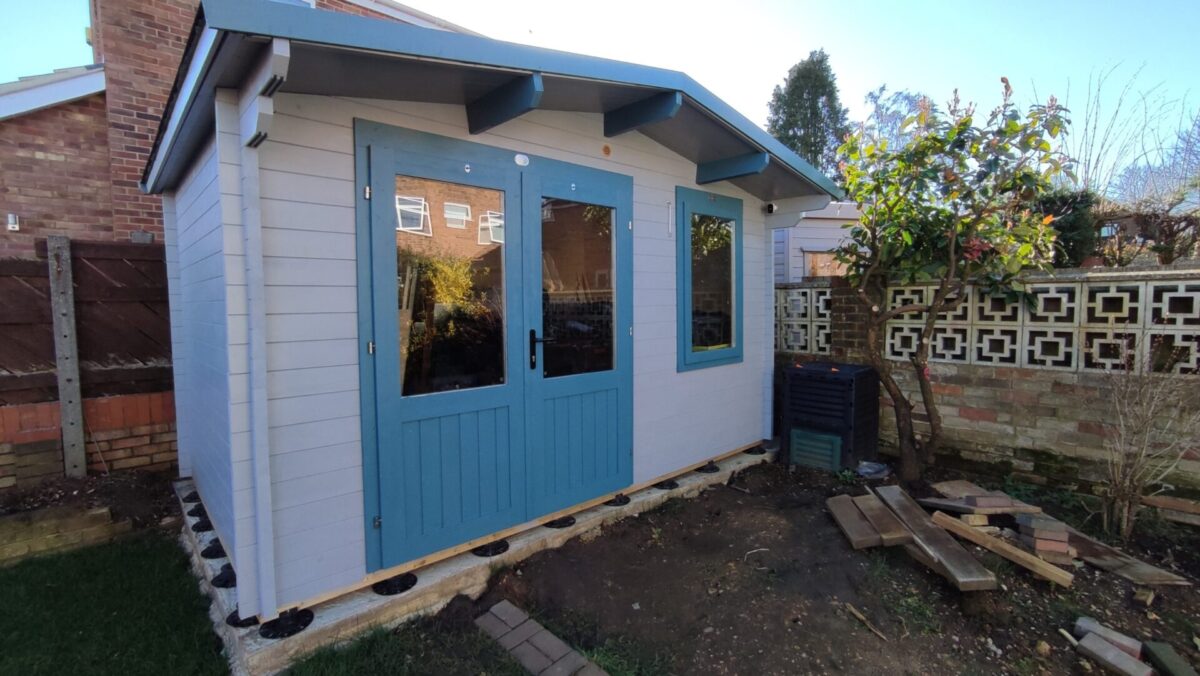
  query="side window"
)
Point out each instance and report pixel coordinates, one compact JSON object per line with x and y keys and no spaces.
{"x":412,"y":215}
{"x":457,"y":215}
{"x":708,"y":268}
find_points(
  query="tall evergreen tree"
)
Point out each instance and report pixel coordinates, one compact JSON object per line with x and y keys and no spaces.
{"x":806,"y":114}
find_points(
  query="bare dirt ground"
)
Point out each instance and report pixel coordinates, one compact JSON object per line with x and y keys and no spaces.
{"x":753,"y":581}
{"x":143,"y":497}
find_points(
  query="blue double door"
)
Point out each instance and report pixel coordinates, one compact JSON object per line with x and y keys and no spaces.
{"x":496,"y":314}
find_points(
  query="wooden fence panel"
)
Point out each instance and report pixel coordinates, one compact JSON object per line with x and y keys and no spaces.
{"x":121,"y":315}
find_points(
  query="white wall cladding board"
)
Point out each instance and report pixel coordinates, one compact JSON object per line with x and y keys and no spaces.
{"x":308,"y":216}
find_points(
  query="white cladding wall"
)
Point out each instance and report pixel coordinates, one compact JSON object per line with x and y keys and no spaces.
{"x":308,"y":199}
{"x":811,"y":234}
{"x":196,"y":272}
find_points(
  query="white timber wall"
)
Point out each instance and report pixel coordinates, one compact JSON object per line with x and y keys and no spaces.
{"x":308,"y":198}
{"x":196,"y":275}
{"x":818,"y":232}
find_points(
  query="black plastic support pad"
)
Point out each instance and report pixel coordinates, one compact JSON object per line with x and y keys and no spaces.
{"x":667,"y":485}
{"x":235,"y":620}
{"x":226,"y":578}
{"x":289,"y":623}
{"x":561,"y":522}
{"x":395,"y":585}
{"x":491,"y":549}
{"x":710,"y":468}
{"x":198,"y":511}
{"x":191,"y":497}
{"x":214,"y":550}
{"x":618,"y":500}
{"x":202,"y":526}
{"x":757,"y":450}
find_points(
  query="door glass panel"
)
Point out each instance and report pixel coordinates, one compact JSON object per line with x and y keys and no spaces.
{"x":712,"y":282}
{"x":451,"y":287}
{"x":577,"y":287}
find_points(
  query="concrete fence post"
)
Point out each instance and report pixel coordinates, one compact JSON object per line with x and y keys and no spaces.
{"x":66,"y":353}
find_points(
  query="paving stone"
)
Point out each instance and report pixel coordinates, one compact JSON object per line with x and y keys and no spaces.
{"x":492,"y":625}
{"x":531,"y":658}
{"x":549,"y":644}
{"x":520,"y":634}
{"x":566,"y":665}
{"x":591,"y":670}
{"x":511,"y":614}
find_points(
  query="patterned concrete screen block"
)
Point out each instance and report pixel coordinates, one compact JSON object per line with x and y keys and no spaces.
{"x":803,"y":318}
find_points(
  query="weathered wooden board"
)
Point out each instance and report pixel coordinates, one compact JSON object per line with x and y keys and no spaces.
{"x":890,"y":530}
{"x":1018,"y":556}
{"x":967,"y":573}
{"x":957,"y":489}
{"x":961,"y":507}
{"x":854,"y":525}
{"x":1174,"y":504}
{"x":1116,"y":561}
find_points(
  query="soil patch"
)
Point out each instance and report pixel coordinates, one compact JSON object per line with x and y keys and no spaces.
{"x":754,"y":578}
{"x":145,"y":498}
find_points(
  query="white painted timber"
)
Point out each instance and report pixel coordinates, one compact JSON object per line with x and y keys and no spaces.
{"x":817,"y":231}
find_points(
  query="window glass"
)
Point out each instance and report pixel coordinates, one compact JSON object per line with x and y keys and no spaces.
{"x":712,"y":289}
{"x":577,"y":291}
{"x":451,"y":290}
{"x":491,"y":228}
{"x":457,"y":215}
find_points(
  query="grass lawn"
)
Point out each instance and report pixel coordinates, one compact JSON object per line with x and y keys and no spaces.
{"x":130,"y":607}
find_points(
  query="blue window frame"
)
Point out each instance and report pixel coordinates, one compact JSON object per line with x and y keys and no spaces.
{"x":708,"y":269}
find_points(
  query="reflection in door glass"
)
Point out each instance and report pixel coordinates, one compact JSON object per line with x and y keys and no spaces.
{"x":577,"y":287}
{"x":451,"y":287}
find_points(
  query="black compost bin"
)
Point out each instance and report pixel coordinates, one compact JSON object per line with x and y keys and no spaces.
{"x":830,"y":415}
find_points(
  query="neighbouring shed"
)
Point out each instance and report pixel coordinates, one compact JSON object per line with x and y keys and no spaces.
{"x":428,"y":287}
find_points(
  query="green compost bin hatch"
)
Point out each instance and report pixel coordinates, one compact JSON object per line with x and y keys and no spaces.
{"x":815,"y":449}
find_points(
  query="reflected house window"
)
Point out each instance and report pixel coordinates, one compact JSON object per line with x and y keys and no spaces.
{"x":412,"y":215}
{"x":450,"y":312}
{"x":491,"y":228}
{"x":457,"y":215}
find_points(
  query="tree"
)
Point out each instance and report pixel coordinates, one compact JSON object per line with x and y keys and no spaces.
{"x":954,"y":206}
{"x":806,"y":114}
{"x":1074,"y":223}
{"x":889,"y":111}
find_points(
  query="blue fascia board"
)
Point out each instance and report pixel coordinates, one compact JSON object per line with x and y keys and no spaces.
{"x":507,"y":102}
{"x":732,"y":167}
{"x":263,"y":17}
{"x":655,"y":108}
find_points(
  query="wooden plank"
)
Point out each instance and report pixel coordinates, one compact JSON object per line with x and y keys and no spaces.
{"x":22,"y":267}
{"x":968,"y":574}
{"x":974,"y":519}
{"x":70,"y":396}
{"x":1110,"y":657}
{"x":1118,"y":562}
{"x":957,"y":489}
{"x":854,"y":525}
{"x":960,"y":507}
{"x":890,"y":530}
{"x":998,"y":546}
{"x":1172,"y":503}
{"x":108,"y":250}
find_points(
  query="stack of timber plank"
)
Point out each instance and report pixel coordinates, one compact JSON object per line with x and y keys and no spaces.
{"x":934,"y":547}
{"x":866,"y":522}
{"x":964,"y":497}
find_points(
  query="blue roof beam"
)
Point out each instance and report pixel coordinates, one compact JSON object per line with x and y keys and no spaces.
{"x":507,"y":102}
{"x":732,"y":167}
{"x":657,"y":108}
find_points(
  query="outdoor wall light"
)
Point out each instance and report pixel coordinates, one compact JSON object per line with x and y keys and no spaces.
{"x":14,"y":223}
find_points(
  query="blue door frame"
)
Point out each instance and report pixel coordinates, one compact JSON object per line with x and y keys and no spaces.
{"x":545,"y":443}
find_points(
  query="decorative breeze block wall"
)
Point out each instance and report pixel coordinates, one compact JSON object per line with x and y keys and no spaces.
{"x":803,"y":319}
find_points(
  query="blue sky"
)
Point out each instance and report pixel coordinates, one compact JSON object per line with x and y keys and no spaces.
{"x":741,"y":50}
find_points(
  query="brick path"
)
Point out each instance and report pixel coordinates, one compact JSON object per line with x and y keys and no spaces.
{"x":539,"y":651}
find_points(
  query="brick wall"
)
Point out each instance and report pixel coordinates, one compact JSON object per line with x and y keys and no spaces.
{"x":54,"y":174}
{"x":134,"y":431}
{"x":1044,"y":425}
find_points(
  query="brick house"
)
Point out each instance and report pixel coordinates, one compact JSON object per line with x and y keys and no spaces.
{"x":73,"y":144}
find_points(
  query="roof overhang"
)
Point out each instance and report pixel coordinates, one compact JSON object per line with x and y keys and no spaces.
{"x":335,"y":54}
{"x":52,"y":89}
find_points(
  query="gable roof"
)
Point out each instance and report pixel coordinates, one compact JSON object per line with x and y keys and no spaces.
{"x":341,"y":55}
{"x":50,"y":89}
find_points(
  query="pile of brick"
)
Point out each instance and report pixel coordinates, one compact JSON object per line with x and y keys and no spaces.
{"x":1047,"y":538}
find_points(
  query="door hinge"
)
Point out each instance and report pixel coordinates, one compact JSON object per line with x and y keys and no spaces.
{"x":631,"y":330}
{"x":366,"y":192}
{"x":377,"y":522}
{"x":631,"y":226}
{"x":370,"y":347}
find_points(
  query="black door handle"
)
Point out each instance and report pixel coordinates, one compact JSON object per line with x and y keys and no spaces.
{"x":533,"y":341}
